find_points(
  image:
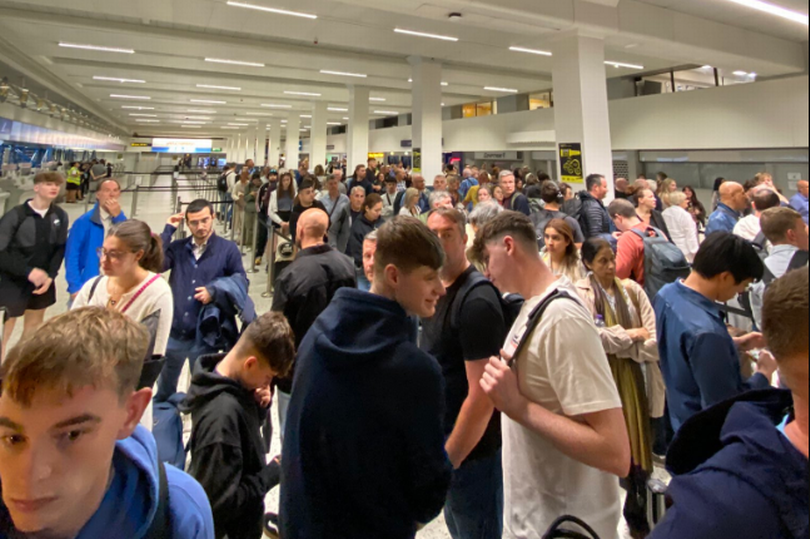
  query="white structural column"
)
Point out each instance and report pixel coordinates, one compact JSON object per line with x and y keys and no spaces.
{"x":357,"y":147}
{"x":581,"y":103}
{"x":252,"y":142}
{"x":317,"y":136}
{"x":274,"y":151}
{"x":292,"y":152}
{"x":227,"y":147}
{"x":427,"y":115}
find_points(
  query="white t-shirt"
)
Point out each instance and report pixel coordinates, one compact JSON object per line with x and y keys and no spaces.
{"x":563,"y":368}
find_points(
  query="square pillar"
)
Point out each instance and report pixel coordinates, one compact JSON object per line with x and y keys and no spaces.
{"x":581,"y":103}
{"x":317,"y":137}
{"x":274,"y":148}
{"x":292,"y":152}
{"x":357,"y":147}
{"x":427,"y":115}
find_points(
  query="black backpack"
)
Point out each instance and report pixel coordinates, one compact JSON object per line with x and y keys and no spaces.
{"x":558,"y":532}
{"x":760,"y":245}
{"x":664,"y":262}
{"x":222,"y":183}
{"x":511,"y":304}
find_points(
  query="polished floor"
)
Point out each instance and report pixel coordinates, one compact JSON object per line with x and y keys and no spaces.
{"x":154,"y":208}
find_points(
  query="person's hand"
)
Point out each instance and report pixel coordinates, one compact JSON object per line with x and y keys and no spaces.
{"x":501,"y":386}
{"x":44,"y":288}
{"x":751,"y":341}
{"x":113,"y":207}
{"x":175,"y":220}
{"x":285,"y":228}
{"x":38,"y":277}
{"x":639,"y":334}
{"x":766,"y":364}
{"x":263,"y":396}
{"x":203,"y":296}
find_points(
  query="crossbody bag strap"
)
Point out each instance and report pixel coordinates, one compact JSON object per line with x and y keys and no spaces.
{"x":93,"y":287}
{"x":139,"y":292}
{"x":161,"y":524}
{"x":534,"y":319}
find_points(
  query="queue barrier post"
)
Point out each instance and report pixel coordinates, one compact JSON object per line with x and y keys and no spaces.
{"x":134,"y":210}
{"x":271,"y":262}
{"x":255,"y":244}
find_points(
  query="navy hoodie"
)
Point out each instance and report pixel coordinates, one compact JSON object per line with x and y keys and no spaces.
{"x":363,"y":449}
{"x":736,"y":475}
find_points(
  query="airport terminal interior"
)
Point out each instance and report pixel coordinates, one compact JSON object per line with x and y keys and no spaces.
{"x":664,"y":140}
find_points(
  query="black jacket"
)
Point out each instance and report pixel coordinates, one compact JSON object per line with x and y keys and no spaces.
{"x":361,"y":228}
{"x":363,"y":448}
{"x":227,"y":450}
{"x":594,"y":218}
{"x":657,"y":221}
{"x":29,"y":241}
{"x":306,"y":287}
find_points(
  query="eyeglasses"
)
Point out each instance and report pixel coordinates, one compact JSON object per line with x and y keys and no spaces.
{"x":112,"y":255}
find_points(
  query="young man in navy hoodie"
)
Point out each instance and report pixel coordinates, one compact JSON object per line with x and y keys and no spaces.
{"x":228,"y":402}
{"x":74,"y":461}
{"x":364,"y":443}
{"x":741,"y":467}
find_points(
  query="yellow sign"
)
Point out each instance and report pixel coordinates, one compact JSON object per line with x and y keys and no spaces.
{"x":571,"y":163}
{"x":377,"y":156}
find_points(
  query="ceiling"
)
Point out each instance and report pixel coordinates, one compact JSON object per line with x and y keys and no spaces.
{"x":172,"y":39}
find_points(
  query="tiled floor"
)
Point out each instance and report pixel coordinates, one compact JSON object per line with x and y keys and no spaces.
{"x":154,"y":209}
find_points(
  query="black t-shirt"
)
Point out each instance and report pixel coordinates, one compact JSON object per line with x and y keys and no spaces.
{"x":480,"y":335}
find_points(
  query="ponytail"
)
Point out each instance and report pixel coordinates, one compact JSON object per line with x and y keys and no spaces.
{"x":153,"y":256}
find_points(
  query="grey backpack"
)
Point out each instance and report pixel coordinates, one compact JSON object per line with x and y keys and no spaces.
{"x":664,"y":262}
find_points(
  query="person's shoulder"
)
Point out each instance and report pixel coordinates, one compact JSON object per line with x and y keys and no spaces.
{"x":190,"y":510}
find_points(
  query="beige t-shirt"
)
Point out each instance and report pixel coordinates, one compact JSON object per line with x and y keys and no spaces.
{"x":563,"y":368}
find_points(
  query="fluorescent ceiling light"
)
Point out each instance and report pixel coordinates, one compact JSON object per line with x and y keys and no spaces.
{"x":303,"y":130}
{"x":740,"y":73}
{"x":284,"y":121}
{"x":144,"y":115}
{"x":530,"y":51}
{"x":208,"y":101}
{"x":190,"y":122}
{"x":202,"y":111}
{"x":305,"y":94}
{"x":191,"y":126}
{"x":238,"y":124}
{"x":134,"y":107}
{"x":228,"y":127}
{"x":306,"y":116}
{"x":258,"y":114}
{"x":307,"y":127}
{"x":346,"y":118}
{"x":120,"y":96}
{"x":333,"y":123}
{"x":115,"y":79}
{"x":273,"y":106}
{"x":443,"y":83}
{"x":344,"y":74}
{"x":504,"y":90}
{"x":772,"y":9}
{"x":198,"y":118}
{"x":424,"y":34}
{"x":337,"y":109}
{"x":377,"y":99}
{"x":214,"y":87}
{"x":95,"y":48}
{"x":273,"y":10}
{"x":707,"y":67}
{"x":234,"y":62}
{"x":386,"y":112}
{"x":622,"y":64}
{"x":148,"y":121}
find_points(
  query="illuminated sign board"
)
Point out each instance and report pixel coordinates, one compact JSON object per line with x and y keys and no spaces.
{"x":176,"y":145}
{"x":141,"y":145}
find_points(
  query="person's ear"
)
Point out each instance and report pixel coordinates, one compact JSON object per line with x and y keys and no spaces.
{"x":135,"y":407}
{"x":391,"y":275}
{"x":509,"y":244}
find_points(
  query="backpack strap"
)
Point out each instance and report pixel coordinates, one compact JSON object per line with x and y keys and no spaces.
{"x":799,"y":260}
{"x":161,"y":524}
{"x":93,"y":287}
{"x":474,"y":280}
{"x":534,"y":318}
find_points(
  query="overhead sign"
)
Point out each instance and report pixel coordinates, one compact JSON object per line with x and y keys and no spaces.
{"x":176,"y":145}
{"x":571,"y":162}
{"x":406,"y":144}
{"x":141,"y":145}
{"x":417,"y":160}
{"x":216,"y":150}
{"x":490,"y":156}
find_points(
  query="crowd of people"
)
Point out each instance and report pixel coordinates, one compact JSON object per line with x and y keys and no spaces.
{"x":494,"y":346}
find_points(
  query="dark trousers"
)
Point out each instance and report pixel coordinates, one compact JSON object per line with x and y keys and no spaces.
{"x":263,"y":234}
{"x":177,"y":351}
{"x":474,"y":507}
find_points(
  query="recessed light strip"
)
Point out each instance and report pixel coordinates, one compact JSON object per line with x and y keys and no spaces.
{"x":213,"y":87}
{"x":208,"y":102}
{"x":120,"y":96}
{"x":772,"y":9}
{"x":234,"y":62}
{"x":305,"y":94}
{"x":95,"y":48}
{"x":425,"y":34}
{"x":343,"y":74}
{"x":377,"y":99}
{"x":337,"y":109}
{"x":274,"y":106}
{"x":122,"y":81}
{"x":504,"y":90}
{"x":144,"y":115}
{"x":273,"y":10}
{"x":622,"y":64}
{"x":530,"y":51}
{"x":134,"y":107}
{"x":387,"y":112}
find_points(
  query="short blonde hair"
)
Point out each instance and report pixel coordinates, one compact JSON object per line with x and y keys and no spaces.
{"x":92,"y":346}
{"x":677,"y":198}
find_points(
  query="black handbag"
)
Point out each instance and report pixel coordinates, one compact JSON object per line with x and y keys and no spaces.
{"x":558,"y":531}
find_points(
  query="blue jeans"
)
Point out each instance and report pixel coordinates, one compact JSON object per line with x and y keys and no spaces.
{"x":177,"y":351}
{"x":474,"y":507}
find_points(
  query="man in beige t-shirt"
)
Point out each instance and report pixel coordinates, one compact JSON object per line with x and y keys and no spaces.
{"x":565,"y":442}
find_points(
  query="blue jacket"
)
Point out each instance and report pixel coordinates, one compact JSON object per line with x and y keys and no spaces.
{"x":131,"y":502}
{"x":800,"y":203}
{"x":724,"y":219}
{"x":736,"y":475}
{"x":216,"y":327}
{"x":220,"y":259}
{"x":86,"y":236}
{"x":364,"y":443}
{"x":699,"y":359}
